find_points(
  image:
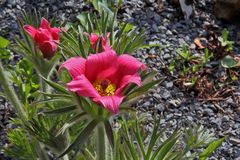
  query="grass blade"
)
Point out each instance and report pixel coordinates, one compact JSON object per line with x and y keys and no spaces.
{"x":81,"y":138}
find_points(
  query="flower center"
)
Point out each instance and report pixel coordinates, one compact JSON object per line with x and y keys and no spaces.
{"x":104,"y":87}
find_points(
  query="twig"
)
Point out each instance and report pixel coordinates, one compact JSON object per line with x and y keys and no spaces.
{"x":219,"y":107}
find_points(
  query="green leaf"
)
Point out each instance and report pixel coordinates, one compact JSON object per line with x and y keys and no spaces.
{"x":229,"y":62}
{"x":167,"y":148}
{"x":128,"y":27}
{"x":72,"y":121}
{"x":141,"y":90}
{"x":65,"y":76}
{"x":56,"y":86}
{"x":129,"y":142}
{"x":4,"y":54}
{"x":109,"y":132}
{"x":61,"y":110}
{"x":56,"y":95}
{"x":51,"y":100}
{"x":2,"y":94}
{"x":127,"y":109}
{"x":23,"y":148}
{"x":3,"y":42}
{"x":148,"y":77}
{"x":139,"y":139}
{"x":81,"y":138}
{"x":154,"y":138}
{"x":210,"y":149}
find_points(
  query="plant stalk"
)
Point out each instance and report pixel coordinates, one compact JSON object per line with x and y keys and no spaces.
{"x":43,"y":85}
{"x":13,"y":99}
{"x":65,"y":157}
{"x":10,"y":94}
{"x":100,"y":142}
{"x":41,"y":151}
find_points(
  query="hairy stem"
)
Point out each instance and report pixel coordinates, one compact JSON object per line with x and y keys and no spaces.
{"x":41,"y":151}
{"x":100,"y":142}
{"x":10,"y":93}
{"x":65,"y":157}
{"x":19,"y":108}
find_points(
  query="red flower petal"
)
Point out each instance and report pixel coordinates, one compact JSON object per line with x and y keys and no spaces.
{"x":129,"y":65}
{"x":127,"y":80}
{"x":111,"y":103}
{"x":30,"y":30}
{"x":42,"y":35}
{"x":93,"y":38}
{"x":83,"y":87}
{"x":44,"y":24}
{"x":75,"y":66}
{"x":48,"y":49}
{"x":55,"y":33}
{"x":109,"y":73}
{"x":96,"y":63}
{"x":105,"y":39}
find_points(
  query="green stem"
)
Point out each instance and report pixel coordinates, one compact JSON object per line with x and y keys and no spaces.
{"x":100,"y":142}
{"x":65,"y":157}
{"x":13,"y":99}
{"x":41,"y":151}
{"x":43,"y":85}
{"x":10,"y":94}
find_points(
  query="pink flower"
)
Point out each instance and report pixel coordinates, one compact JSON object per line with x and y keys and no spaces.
{"x":44,"y":37}
{"x":94,"y":38}
{"x":103,"y":77}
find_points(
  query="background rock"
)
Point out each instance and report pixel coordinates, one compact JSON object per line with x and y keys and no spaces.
{"x":228,"y":10}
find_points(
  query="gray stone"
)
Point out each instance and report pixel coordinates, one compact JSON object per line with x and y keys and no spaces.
{"x":230,"y":101}
{"x":166,"y":94}
{"x":150,"y":1}
{"x":236,"y":153}
{"x":157,"y":95}
{"x":228,"y":10}
{"x":157,"y":18}
{"x":169,"y":32}
{"x":146,"y":104}
{"x":192,"y":46}
{"x":160,"y":107}
{"x":168,"y":84}
{"x":155,"y":28}
{"x":234,"y":141}
{"x":2,"y":107}
{"x":166,"y":56}
{"x":208,"y":112}
{"x":225,"y":119}
{"x":162,"y":28}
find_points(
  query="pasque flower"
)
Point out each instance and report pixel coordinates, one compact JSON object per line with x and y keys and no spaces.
{"x":44,"y":37}
{"x":94,"y":38}
{"x":103,"y":77}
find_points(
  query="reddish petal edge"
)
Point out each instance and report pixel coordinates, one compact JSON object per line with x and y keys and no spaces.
{"x":55,"y":33}
{"x":96,"y":63}
{"x":111,"y":103}
{"x":30,"y":30}
{"x":83,"y":87}
{"x":48,"y":49}
{"x":128,"y":65}
{"x":75,"y":66}
{"x":127,"y":80}
{"x":44,"y":24}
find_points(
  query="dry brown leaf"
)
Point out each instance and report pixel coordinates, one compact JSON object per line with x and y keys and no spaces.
{"x":152,"y":56}
{"x":198,"y":43}
{"x":238,"y":61}
{"x":160,"y":5}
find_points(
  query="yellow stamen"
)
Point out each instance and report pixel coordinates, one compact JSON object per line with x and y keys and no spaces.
{"x":104,"y":87}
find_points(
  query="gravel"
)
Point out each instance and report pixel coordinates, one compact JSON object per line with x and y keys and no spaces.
{"x":169,"y":29}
